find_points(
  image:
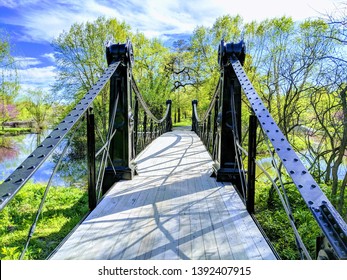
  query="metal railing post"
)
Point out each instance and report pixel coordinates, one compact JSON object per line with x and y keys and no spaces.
{"x":194,"y":119}
{"x":252,"y":146}
{"x":169,"y":117}
{"x":144,"y":130}
{"x":208,"y":132}
{"x":225,"y":167}
{"x":136,"y":125}
{"x":91,"y":158}
{"x":215,"y":130}
{"x":122,"y":144}
{"x":151,"y":130}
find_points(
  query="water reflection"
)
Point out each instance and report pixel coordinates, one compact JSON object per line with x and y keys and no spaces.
{"x":267,"y":164}
{"x":8,"y":149}
{"x":73,"y":171}
{"x":15,"y":149}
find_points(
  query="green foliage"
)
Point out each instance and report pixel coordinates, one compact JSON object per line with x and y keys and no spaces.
{"x":288,"y":63}
{"x":80,"y":54}
{"x":276,"y":225}
{"x":39,"y":106}
{"x":15,"y":130}
{"x":228,"y":28}
{"x":150,"y":73}
{"x":185,"y":122}
{"x":9,"y":86}
{"x":63,"y":209}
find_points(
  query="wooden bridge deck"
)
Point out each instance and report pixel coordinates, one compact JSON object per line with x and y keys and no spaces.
{"x":171,"y":210}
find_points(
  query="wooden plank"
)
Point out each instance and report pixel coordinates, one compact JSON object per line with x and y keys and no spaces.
{"x":171,"y":210}
{"x":185,"y":238}
{"x":211,"y":249}
{"x":218,"y":216}
{"x":247,"y":230}
{"x":138,"y":219}
{"x":159,"y":240}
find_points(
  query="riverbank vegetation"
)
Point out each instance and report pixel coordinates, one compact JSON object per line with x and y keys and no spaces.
{"x":63,"y":210}
{"x":298,"y":68}
{"x":10,"y":131}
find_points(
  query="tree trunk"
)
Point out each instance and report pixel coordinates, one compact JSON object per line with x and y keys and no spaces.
{"x":342,"y":195}
{"x":328,"y":174}
{"x":343,"y":145}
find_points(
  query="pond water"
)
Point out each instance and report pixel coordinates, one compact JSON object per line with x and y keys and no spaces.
{"x":15,"y":149}
{"x":266,"y":162}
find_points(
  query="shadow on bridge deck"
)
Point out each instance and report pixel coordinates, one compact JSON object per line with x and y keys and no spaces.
{"x":171,"y":210}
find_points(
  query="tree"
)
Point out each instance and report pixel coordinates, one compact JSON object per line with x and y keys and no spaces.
{"x":39,"y":106}
{"x":80,"y":58}
{"x":203,"y":56}
{"x":203,"y":61}
{"x":150,"y":74}
{"x":8,"y":81}
{"x":178,"y":69}
{"x":337,"y":20}
{"x":333,"y":119}
{"x":80,"y":55}
{"x":7,"y":113}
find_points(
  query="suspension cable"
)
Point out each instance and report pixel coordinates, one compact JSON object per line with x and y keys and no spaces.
{"x":105,"y":152}
{"x":236,"y":138}
{"x":144,"y":105}
{"x":43,"y":200}
{"x":327,"y":217}
{"x":286,"y":204}
{"x":299,"y":241}
{"x":10,"y":187}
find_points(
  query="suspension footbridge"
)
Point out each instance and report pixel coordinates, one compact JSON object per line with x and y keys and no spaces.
{"x":173,"y":209}
{"x":151,"y":193}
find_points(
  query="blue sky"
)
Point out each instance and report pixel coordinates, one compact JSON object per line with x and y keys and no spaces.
{"x":33,"y":24}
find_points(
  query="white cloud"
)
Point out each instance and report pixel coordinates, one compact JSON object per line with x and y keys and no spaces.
{"x":36,"y":78}
{"x":49,"y":56}
{"x":17,"y":3}
{"x":25,"y":62}
{"x":44,"y":20}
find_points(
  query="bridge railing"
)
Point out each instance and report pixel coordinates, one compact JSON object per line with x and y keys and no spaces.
{"x":147,"y":127}
{"x":206,"y":127}
{"x":222,"y":123}
{"x":131,"y":126}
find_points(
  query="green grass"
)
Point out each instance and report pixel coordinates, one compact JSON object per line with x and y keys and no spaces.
{"x":185,"y":122}
{"x":15,"y":130}
{"x":275,"y":223}
{"x":63,"y":209}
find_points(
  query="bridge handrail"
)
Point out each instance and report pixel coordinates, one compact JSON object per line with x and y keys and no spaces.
{"x":210,"y":108}
{"x":325,"y":214}
{"x":15,"y":181}
{"x":227,"y":167}
{"x":145,"y":106}
{"x":119,"y":149}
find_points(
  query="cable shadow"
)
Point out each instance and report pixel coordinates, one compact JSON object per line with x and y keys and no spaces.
{"x":177,"y":140}
{"x":120,"y":219}
{"x":134,"y":199}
